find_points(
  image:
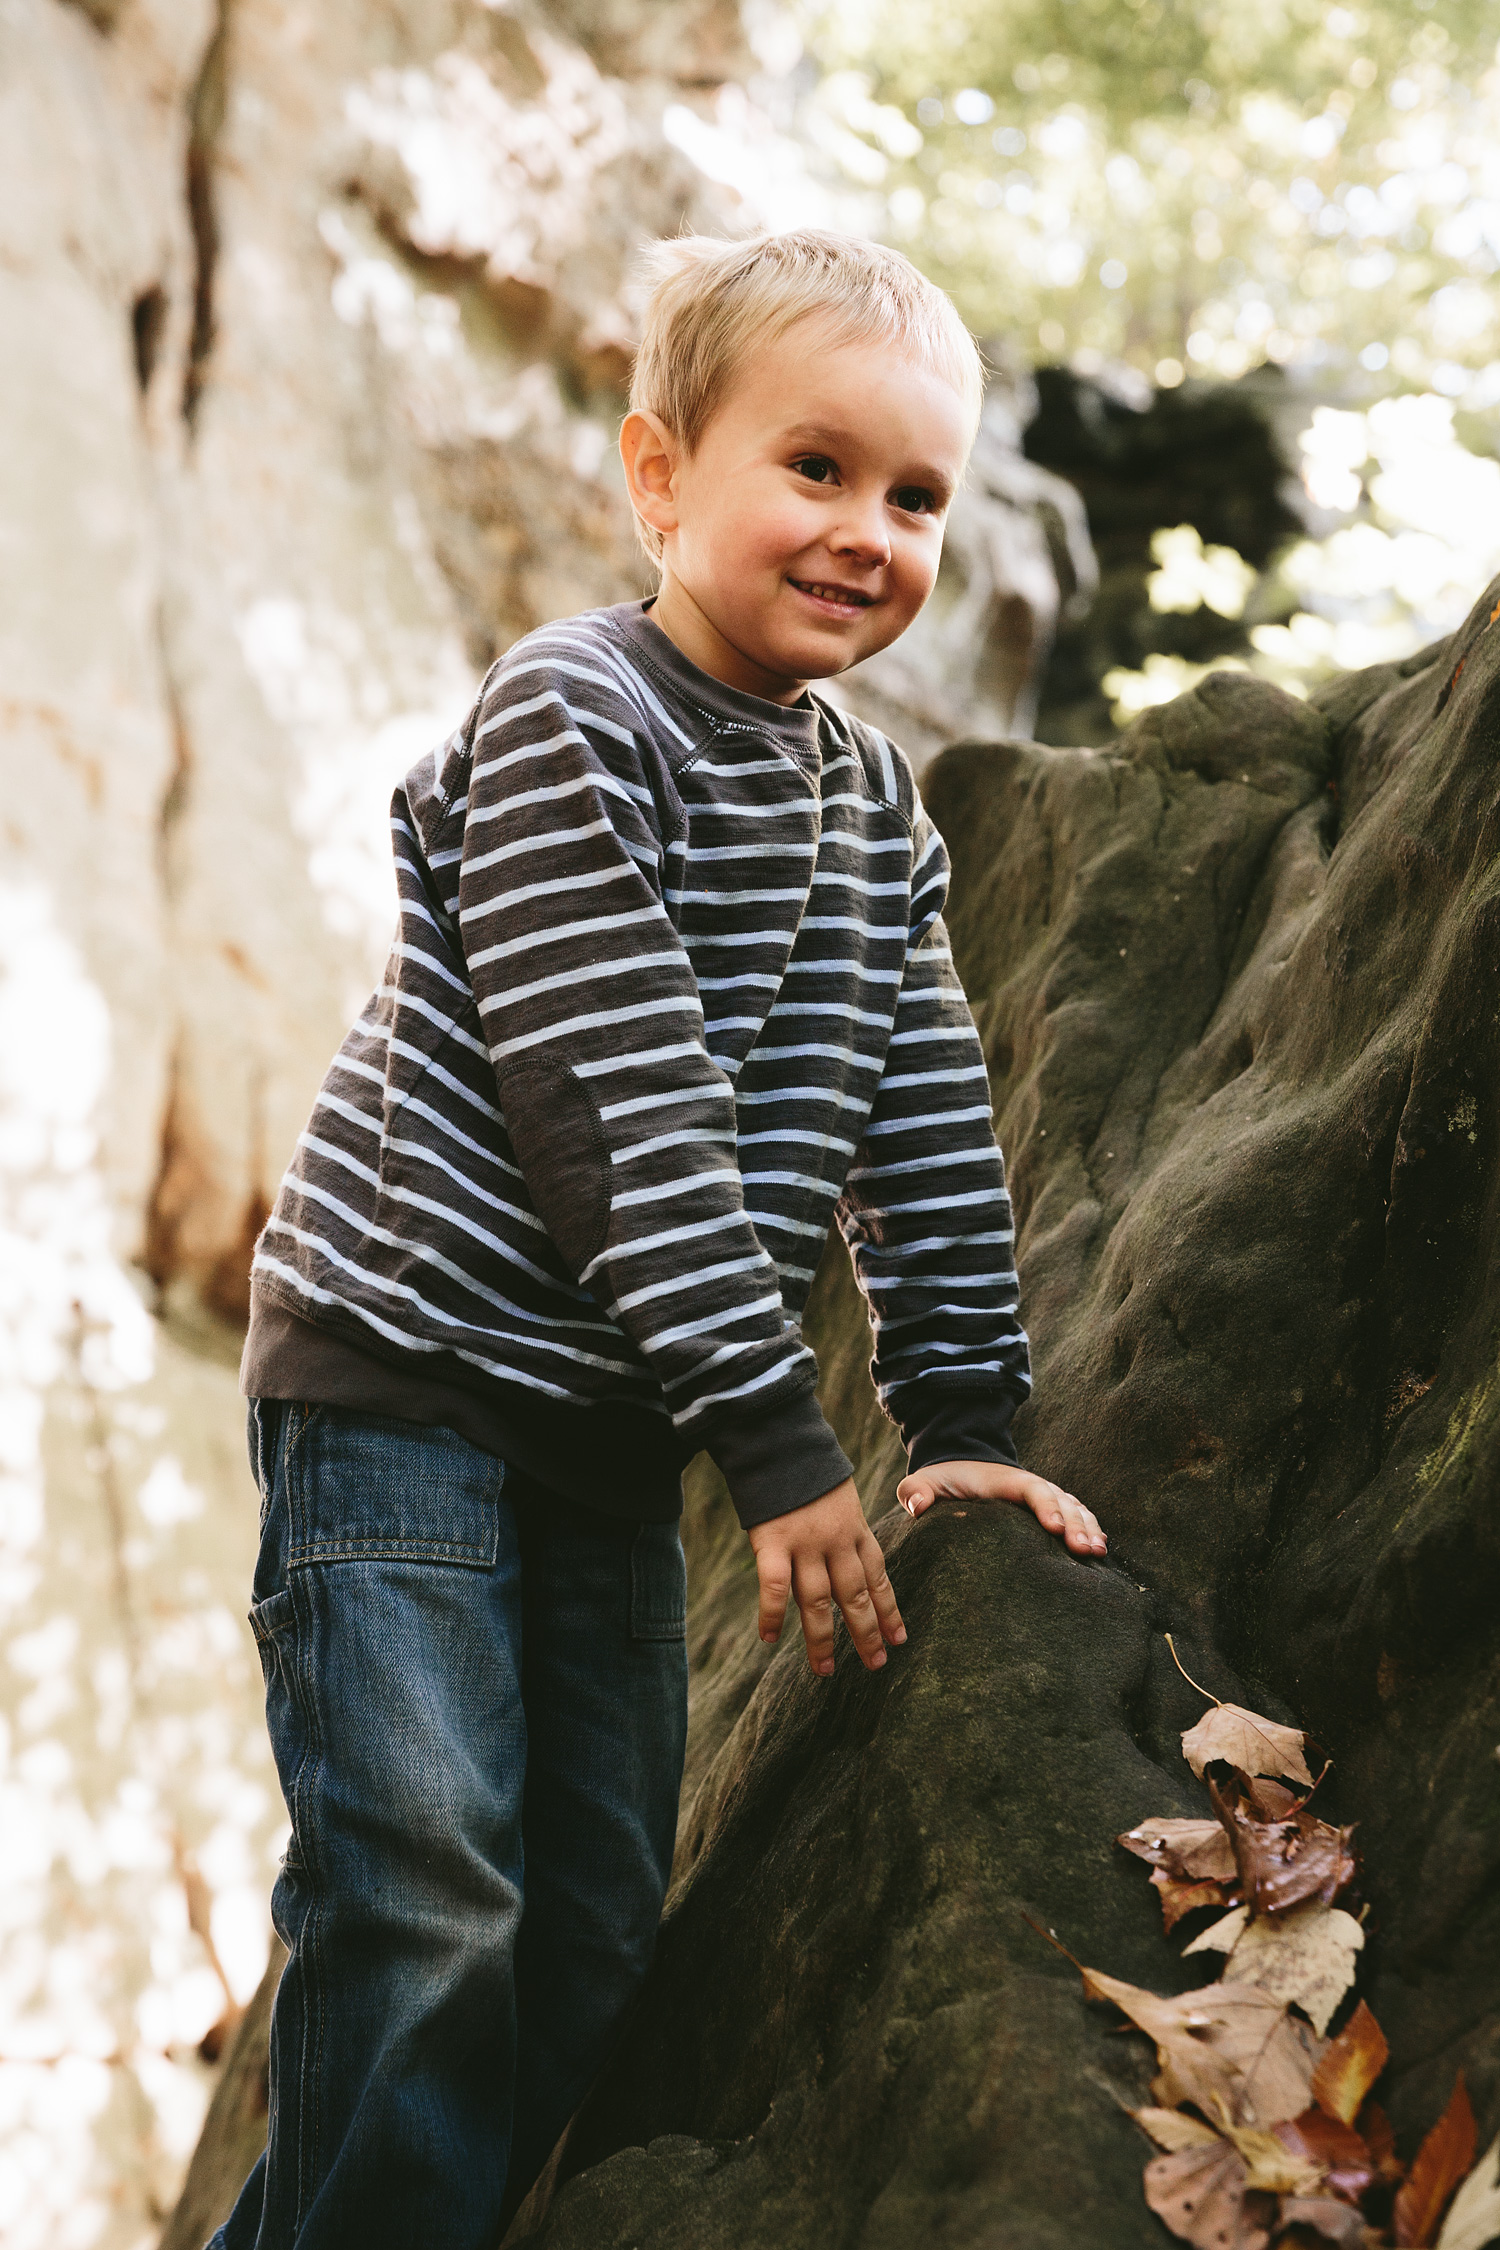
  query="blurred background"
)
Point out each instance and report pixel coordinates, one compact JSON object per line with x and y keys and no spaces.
{"x":316,"y":318}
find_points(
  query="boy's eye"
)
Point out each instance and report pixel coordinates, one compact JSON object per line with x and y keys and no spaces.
{"x":817,"y":468}
{"x":914,"y":500}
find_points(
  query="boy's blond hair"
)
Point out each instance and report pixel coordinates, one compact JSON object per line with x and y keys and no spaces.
{"x":712,"y":300}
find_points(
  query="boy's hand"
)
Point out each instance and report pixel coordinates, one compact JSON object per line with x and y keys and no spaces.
{"x":1055,"y":1510}
{"x":826,"y":1555}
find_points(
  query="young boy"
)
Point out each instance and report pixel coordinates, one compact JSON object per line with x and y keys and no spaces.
{"x":670,"y":994}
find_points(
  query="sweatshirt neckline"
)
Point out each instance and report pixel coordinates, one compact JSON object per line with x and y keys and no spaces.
{"x":793,"y":726}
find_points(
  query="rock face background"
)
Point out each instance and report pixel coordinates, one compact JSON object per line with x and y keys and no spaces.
{"x":316,"y":319}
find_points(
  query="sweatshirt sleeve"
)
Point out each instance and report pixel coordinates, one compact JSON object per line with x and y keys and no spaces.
{"x":621,"y":1122}
{"x":926,"y":1215}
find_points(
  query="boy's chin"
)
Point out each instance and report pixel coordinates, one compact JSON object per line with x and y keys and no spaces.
{"x":824,"y":655}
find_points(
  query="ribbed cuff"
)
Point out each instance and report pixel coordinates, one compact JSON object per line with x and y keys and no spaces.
{"x":965,"y":1426}
{"x":778,"y":1458}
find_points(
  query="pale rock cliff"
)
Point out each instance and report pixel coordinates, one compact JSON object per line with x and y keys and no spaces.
{"x":316,"y":318}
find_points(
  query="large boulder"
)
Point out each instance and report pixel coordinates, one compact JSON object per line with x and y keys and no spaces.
{"x":1236,"y":982}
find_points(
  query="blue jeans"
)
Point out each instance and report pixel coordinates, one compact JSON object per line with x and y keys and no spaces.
{"x":477,"y":1701}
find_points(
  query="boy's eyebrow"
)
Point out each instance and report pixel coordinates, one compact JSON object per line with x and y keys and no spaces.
{"x":834,"y":434}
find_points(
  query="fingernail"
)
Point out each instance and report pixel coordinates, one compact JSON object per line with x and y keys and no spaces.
{"x":877,"y":1660}
{"x":899,"y":1635}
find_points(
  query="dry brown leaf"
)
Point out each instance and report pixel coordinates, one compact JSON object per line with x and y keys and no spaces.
{"x":1474,"y":2219}
{"x":1221,"y":1936}
{"x":1243,"y":1738}
{"x":1283,"y":1862}
{"x":1200,"y":2194}
{"x":1338,"y":2222}
{"x":1270,"y":2164}
{"x":1335,"y":2147}
{"x":1178,"y":1899}
{"x":1226,"y":2044}
{"x":1305,"y":1958}
{"x":1267,"y":1799}
{"x":1173,"y":2128}
{"x":1441,"y":2162}
{"x":1350,"y":2066}
{"x":1191,"y":1851}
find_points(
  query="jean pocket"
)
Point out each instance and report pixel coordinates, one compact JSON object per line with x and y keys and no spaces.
{"x":362,"y":1487}
{"x":658,"y":1584}
{"x":270,"y":1618}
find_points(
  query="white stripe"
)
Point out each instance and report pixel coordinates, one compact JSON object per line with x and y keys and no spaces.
{"x":680,"y":1281}
{"x":698,"y":1133}
{"x":833,"y":1054}
{"x":688,"y":1004}
{"x":793,"y":1133}
{"x":478,"y":861}
{"x":500,"y":902}
{"x":596,"y":971}
{"x":718,"y":1177}
{"x":665,"y":1337}
{"x":740,"y":1390}
{"x":928,"y":1163}
{"x":931,"y":1117}
{"x":560,"y":930}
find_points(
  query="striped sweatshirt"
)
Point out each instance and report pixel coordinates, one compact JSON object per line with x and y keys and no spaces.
{"x":670,"y":994}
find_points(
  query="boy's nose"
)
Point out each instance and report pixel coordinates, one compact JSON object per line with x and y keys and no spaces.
{"x":861,"y":533}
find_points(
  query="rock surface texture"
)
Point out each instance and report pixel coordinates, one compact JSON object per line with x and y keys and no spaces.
{"x":1236,"y":981}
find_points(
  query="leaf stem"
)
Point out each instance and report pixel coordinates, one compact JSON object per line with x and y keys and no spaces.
{"x":1217,"y":1701}
{"x":1054,"y":1941}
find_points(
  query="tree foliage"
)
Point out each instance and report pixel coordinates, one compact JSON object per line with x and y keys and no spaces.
{"x":1186,"y":184}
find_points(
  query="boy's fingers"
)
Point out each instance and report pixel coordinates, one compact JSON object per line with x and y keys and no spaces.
{"x":852,"y":1588}
{"x":774,"y":1569}
{"x":882,"y":1592}
{"x":815,"y":1601}
{"x":1078,"y":1524}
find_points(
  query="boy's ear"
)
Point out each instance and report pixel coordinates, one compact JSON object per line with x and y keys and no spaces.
{"x":650,"y":454}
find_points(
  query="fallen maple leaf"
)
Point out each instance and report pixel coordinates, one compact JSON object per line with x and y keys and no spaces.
{"x":1283,"y":1862}
{"x":1441,"y":2162}
{"x":1228,"y":2048}
{"x":1267,"y":1799}
{"x":1178,"y":1899}
{"x":1305,"y":1957}
{"x":1339,"y":2222}
{"x":1350,"y":2066}
{"x":1173,"y":2128}
{"x":1339,"y":2151}
{"x":1270,"y":2164}
{"x":1191,"y":1851}
{"x":1243,"y":1738}
{"x":1221,"y":1936}
{"x":1200,"y":2194}
{"x":1474,"y":2218}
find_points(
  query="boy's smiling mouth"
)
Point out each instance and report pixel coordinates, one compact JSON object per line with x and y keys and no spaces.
{"x":844,"y":599}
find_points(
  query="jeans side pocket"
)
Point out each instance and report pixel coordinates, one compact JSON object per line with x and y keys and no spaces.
{"x":658,"y":1584}
{"x":269,"y":1620}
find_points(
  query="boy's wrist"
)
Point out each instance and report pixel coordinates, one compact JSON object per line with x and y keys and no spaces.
{"x":777,"y":1457}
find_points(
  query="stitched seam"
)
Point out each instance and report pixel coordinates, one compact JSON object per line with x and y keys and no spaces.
{"x":307,"y":1950}
{"x":414,"y":1550}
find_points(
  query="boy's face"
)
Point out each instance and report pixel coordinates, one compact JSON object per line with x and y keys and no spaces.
{"x":803,"y":533}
